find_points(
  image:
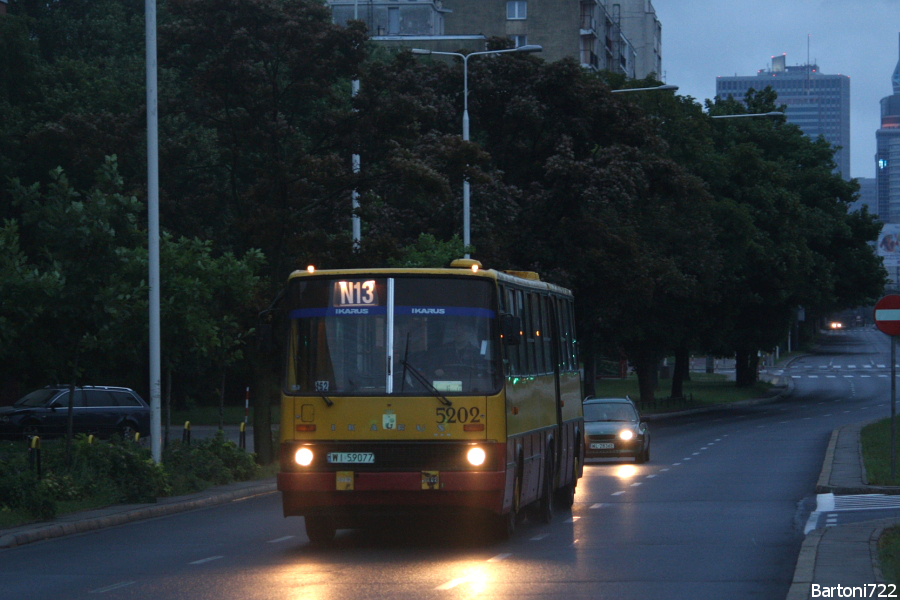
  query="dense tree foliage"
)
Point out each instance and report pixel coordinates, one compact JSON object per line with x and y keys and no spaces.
{"x":676,"y":231}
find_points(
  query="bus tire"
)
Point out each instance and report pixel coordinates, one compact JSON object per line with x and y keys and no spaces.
{"x":319,"y":530}
{"x":565,"y":496}
{"x":544,"y":508}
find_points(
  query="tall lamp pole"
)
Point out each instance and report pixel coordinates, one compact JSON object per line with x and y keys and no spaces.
{"x":153,"y":227}
{"x":465,"y":119}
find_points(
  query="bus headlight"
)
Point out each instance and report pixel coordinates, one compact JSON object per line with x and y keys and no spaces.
{"x":304,"y":457}
{"x":476,"y":456}
{"x":626,"y":434}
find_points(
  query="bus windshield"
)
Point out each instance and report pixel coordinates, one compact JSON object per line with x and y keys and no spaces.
{"x":383,"y":336}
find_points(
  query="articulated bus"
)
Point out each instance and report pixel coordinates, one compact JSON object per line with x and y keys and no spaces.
{"x":417,"y":391}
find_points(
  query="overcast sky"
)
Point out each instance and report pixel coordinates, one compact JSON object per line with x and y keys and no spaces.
{"x":703,"y":39}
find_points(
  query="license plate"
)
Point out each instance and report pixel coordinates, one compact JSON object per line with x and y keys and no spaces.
{"x":603,"y":446}
{"x":351,"y":457}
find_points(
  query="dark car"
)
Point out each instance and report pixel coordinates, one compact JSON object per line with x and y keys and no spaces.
{"x":613,"y":428}
{"x":96,"y":410}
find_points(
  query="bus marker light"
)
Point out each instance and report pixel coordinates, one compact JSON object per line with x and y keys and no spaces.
{"x":306,"y":428}
{"x":473,"y":427}
{"x":311,"y":269}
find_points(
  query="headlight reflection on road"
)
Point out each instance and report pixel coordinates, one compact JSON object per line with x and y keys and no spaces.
{"x":626,"y":471}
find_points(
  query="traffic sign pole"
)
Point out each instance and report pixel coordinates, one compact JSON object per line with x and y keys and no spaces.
{"x":887,"y":320}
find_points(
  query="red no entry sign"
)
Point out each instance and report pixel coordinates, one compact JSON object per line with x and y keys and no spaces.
{"x":887,"y":315}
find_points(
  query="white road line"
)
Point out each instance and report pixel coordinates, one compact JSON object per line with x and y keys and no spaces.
{"x":618,"y":493}
{"x":664,"y":470}
{"x":636,"y":483}
{"x":598,"y":505}
{"x":650,"y":476}
{"x":572,"y":520}
{"x":452,"y":583}
{"x":205,"y":560}
{"x":538,"y":538}
{"x":500,"y":557}
{"x":115,"y":586}
{"x":281,"y":539}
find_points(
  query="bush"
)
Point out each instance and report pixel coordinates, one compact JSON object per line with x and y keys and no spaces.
{"x":114,"y":471}
{"x":212,"y":461}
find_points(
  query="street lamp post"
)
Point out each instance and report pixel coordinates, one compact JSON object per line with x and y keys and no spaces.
{"x":667,"y":87}
{"x":773,"y":113}
{"x":465,"y":119}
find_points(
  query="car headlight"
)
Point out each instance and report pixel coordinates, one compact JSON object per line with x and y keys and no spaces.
{"x":626,"y":434}
{"x":304,"y":457}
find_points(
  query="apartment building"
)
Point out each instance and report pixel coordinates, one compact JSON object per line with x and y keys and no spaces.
{"x":622,"y":36}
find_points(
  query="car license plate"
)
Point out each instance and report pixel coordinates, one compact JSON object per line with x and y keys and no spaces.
{"x":603,"y":446}
{"x":351,"y":457}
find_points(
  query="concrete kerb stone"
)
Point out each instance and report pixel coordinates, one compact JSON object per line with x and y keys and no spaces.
{"x":40,"y":532}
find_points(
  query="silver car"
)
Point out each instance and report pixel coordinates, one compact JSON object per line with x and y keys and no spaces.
{"x":613,"y":428}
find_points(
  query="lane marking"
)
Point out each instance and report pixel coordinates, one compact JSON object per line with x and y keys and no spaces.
{"x":452,"y":583}
{"x":281,"y":539}
{"x":598,"y":505}
{"x":115,"y":586}
{"x":538,"y":538}
{"x":500,"y":557}
{"x":572,"y":520}
{"x":636,"y":483}
{"x":205,"y":560}
{"x":618,"y":493}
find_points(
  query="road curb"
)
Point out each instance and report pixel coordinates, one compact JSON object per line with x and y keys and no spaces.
{"x":806,"y":566}
{"x":147,"y":511}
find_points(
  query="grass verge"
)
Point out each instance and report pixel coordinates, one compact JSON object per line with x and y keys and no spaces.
{"x":875,"y":440}
{"x":889,"y":554}
{"x":703,"y":389}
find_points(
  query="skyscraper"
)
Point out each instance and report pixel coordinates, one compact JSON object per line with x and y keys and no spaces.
{"x":819,"y":104}
{"x":887,"y":154}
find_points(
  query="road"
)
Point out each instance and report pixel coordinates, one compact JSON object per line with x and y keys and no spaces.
{"x":718,"y":512}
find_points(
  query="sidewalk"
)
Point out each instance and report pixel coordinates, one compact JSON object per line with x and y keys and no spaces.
{"x":845,"y":555}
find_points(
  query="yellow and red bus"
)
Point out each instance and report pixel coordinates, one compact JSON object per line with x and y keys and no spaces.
{"x":410,"y":391}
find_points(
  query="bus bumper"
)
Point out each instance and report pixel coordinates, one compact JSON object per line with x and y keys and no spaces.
{"x":389,"y":493}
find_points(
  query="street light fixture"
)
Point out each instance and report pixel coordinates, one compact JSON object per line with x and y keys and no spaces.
{"x":773,"y":113}
{"x":465,"y":121}
{"x":667,"y":87}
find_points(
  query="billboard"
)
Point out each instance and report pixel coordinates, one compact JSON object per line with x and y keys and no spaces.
{"x":888,"y":247}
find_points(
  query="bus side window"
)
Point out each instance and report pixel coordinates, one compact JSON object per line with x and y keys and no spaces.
{"x":548,"y":334}
{"x":570,"y":335}
{"x":512,"y":352}
{"x":534,"y":333}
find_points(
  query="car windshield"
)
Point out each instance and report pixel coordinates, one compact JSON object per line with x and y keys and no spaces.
{"x":609,"y":412}
{"x":37,"y":398}
{"x":403,"y":335}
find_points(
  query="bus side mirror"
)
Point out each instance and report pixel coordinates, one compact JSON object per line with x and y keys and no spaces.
{"x":511,"y":330}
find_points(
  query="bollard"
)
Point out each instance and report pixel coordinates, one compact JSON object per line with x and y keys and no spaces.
{"x":137,"y":437}
{"x":186,"y":434}
{"x":34,"y":455}
{"x":242,"y":439}
{"x":91,"y":440}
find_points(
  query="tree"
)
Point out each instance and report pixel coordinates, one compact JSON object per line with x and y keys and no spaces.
{"x":264,"y":81}
{"x":86,"y":238}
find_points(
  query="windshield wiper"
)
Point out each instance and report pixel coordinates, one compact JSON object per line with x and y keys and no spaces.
{"x":421,"y":379}
{"x":327,"y":401}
